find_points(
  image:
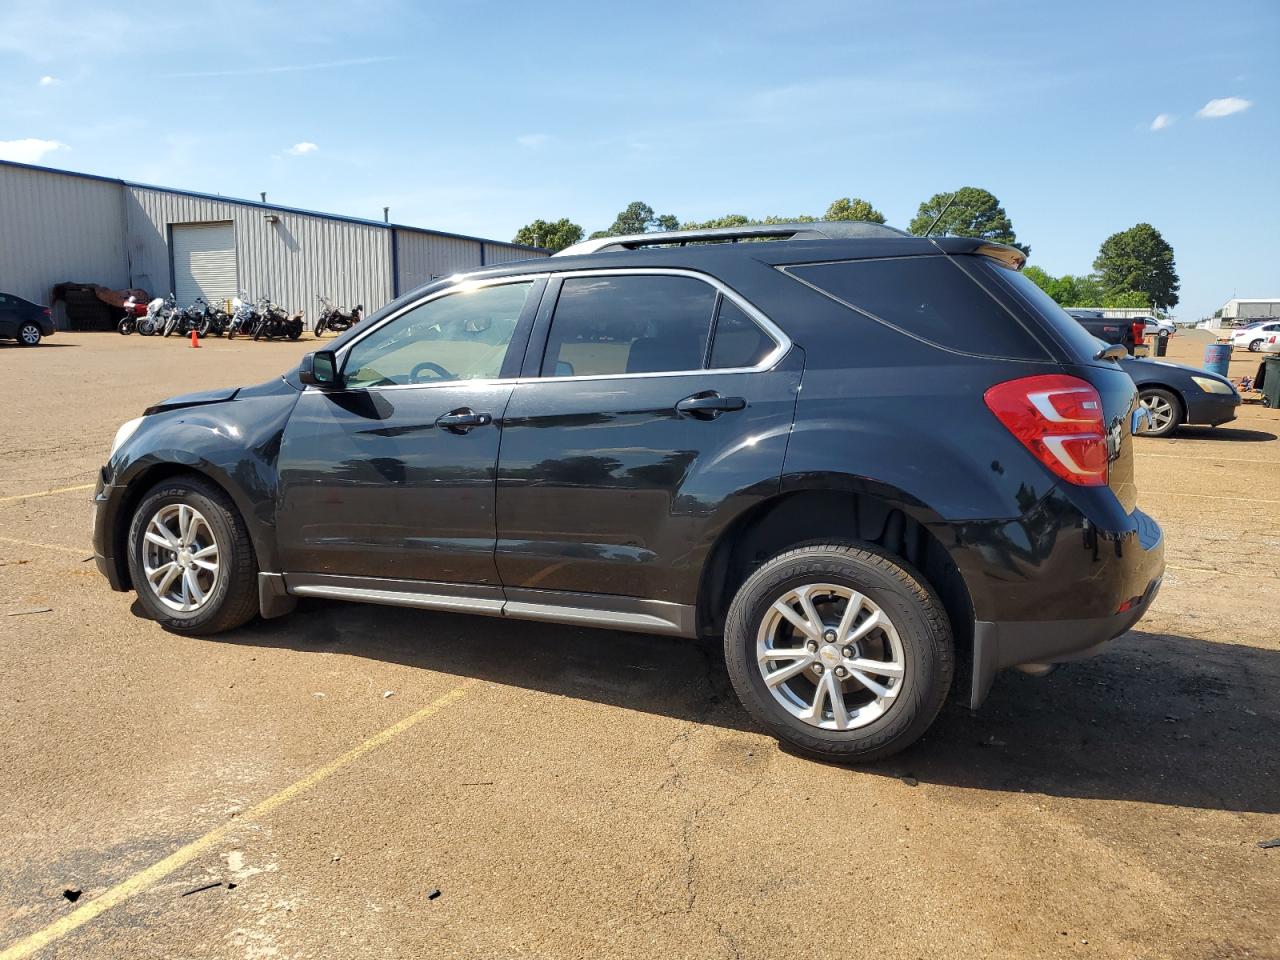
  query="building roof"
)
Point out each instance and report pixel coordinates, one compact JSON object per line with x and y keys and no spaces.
{"x":269,"y":206}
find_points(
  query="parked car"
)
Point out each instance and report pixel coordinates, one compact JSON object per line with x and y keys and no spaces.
{"x":1255,"y":335}
{"x":1271,"y":344}
{"x":1154,"y":326}
{"x":1176,"y":395}
{"x":1130,"y":334}
{"x":23,"y":320}
{"x":876,"y":465}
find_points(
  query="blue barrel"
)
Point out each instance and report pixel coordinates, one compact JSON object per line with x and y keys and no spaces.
{"x":1217,"y":358}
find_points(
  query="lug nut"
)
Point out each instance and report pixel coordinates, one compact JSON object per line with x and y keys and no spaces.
{"x":812,"y":646}
{"x":817,"y":668}
{"x":841,"y":671}
{"x":829,"y":636}
{"x":848,"y":652}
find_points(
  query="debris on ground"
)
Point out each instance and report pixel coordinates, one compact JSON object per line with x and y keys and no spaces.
{"x":1269,"y":844}
{"x":388,"y":693}
{"x":72,"y":895}
{"x":433,"y":893}
{"x":209,"y":886}
{"x":23,"y":611}
{"x":910,"y":781}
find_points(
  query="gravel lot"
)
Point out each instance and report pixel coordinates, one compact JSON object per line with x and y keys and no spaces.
{"x":576,"y":793}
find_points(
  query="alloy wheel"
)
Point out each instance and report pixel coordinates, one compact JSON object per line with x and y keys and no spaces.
{"x":830,"y":656}
{"x":180,"y":557}
{"x":1161,"y":411}
{"x":30,"y":334}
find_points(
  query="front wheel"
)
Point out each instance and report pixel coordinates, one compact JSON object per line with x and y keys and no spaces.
{"x":1165,"y":410}
{"x":191,"y":560}
{"x":1255,"y":345}
{"x":125,"y":326}
{"x":29,"y":334}
{"x":841,"y":651}
{"x":319,"y":330}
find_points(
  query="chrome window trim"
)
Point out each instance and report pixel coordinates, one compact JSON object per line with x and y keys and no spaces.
{"x":782,"y":343}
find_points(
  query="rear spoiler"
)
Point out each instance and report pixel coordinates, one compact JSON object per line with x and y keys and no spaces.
{"x":1006,"y":256}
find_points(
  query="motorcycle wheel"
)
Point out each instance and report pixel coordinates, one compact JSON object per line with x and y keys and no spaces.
{"x":295,"y":330}
{"x":203,"y":330}
{"x":147,"y":327}
{"x":319,"y":328}
{"x":258,"y":331}
{"x":125,"y":327}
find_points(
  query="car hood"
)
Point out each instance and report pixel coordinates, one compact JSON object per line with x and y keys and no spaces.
{"x":277,"y":385}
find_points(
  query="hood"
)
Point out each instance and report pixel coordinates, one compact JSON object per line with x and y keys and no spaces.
{"x":193,"y":400}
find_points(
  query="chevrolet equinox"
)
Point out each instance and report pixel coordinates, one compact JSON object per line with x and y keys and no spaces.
{"x":877,"y":465}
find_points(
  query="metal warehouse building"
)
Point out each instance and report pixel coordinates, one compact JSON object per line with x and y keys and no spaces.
{"x":57,"y":226}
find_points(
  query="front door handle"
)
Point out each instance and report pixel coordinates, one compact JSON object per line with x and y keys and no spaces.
{"x":463,"y":419}
{"x":709,"y":405}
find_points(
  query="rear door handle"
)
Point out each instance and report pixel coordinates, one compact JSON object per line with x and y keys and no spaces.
{"x":463,"y":419}
{"x":709,"y":405}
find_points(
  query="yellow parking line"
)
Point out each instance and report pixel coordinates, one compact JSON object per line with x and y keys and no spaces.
{"x":147,"y":878}
{"x":47,"y":493}
{"x":79,"y":551}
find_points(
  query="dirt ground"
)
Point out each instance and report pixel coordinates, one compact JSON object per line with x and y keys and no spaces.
{"x":577,"y":793}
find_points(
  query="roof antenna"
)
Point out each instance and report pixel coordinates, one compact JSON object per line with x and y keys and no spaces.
{"x":941,"y":213}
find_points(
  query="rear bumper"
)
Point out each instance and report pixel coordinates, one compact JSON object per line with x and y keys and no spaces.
{"x":998,"y":646}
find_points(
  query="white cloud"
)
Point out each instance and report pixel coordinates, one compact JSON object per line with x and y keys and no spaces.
{"x":533,"y":140}
{"x":301,"y":149}
{"x":1163,"y":120}
{"x":47,"y":81}
{"x":30,"y":150}
{"x":1223,"y":107}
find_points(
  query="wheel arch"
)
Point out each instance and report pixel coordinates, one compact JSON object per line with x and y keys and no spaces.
{"x":853,"y":512}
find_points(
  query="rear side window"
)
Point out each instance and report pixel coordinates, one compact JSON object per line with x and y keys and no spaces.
{"x":927,"y":297}
{"x":738,"y":341}
{"x":604,"y":326}
{"x":1079,"y":341}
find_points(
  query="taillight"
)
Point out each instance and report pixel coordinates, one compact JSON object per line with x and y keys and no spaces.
{"x":46,"y":311}
{"x":1139,"y":331}
{"x":1059,"y":419}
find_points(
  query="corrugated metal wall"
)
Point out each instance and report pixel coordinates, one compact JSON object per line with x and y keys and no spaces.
{"x":423,"y":256}
{"x":293,"y":261}
{"x":55,"y":228}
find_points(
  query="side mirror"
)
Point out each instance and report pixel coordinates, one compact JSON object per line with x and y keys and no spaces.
{"x":320,"y":369}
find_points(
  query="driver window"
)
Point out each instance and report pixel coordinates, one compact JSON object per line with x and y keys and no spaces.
{"x":461,"y":336}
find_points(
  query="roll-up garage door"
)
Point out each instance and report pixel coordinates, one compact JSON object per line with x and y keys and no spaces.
{"x":204,"y":261}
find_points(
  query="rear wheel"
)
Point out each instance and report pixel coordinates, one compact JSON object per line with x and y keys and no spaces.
{"x":191,"y":560}
{"x":1165,"y":409}
{"x":29,"y":334}
{"x":1255,"y":345}
{"x":839,"y":650}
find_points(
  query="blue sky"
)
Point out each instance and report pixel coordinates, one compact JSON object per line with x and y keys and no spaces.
{"x":477,"y":118}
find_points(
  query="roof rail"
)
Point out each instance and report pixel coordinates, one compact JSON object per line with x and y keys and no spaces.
{"x":817,"y":230}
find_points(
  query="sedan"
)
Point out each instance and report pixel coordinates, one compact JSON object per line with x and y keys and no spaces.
{"x":23,"y":320}
{"x":1176,"y":395}
{"x":1255,"y":335}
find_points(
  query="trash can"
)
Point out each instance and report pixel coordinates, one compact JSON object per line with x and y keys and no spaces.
{"x":1217,"y":358}
{"x":1162,"y":343}
{"x":1270,"y":385}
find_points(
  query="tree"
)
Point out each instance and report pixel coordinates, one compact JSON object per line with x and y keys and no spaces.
{"x":741,"y":220}
{"x":553,"y":236}
{"x":1128,"y":299}
{"x":853,"y":208}
{"x":1139,"y":259}
{"x":974,"y":213}
{"x":638,"y":217}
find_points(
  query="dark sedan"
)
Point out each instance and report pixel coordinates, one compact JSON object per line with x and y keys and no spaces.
{"x":23,"y":320}
{"x":1177,"y":395}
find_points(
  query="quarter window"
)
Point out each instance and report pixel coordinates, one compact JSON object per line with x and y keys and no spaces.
{"x":461,"y":336}
{"x":738,"y":340}
{"x":605,"y":326}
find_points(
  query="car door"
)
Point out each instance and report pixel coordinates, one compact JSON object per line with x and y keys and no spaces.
{"x":655,"y":406}
{"x":8,"y":316}
{"x":390,"y":477}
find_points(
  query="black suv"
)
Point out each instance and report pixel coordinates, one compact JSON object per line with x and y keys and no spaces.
{"x":877,"y":465}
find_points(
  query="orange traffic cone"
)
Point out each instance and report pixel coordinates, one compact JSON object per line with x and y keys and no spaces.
{"x":195,"y":339}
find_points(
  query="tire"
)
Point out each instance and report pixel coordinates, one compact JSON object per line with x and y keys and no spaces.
{"x":1165,"y":408}
{"x":29,"y":334}
{"x":125,"y":327}
{"x":924,"y":658}
{"x":1255,"y":345}
{"x":230,"y":593}
{"x":319,"y":330}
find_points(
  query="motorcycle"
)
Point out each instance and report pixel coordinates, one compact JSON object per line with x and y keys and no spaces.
{"x":276,"y":324}
{"x":335,"y":318}
{"x":244,"y":317}
{"x":157,"y":315}
{"x":133,"y":312}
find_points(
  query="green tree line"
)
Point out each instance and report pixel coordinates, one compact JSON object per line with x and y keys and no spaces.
{"x":1134,"y":268}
